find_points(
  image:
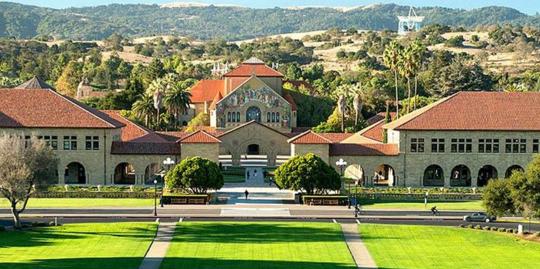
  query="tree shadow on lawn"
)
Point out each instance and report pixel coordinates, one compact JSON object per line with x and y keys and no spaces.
{"x":41,"y":236}
{"x":234,"y":232}
{"x":171,"y":263}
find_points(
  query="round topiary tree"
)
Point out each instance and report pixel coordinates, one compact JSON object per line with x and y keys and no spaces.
{"x":307,"y":173}
{"x":195,"y":174}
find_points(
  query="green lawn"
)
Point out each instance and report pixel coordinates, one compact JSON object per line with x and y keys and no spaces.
{"x":419,"y":205}
{"x":82,"y":202}
{"x":260,"y":245}
{"x":81,"y":246}
{"x":399,"y":246}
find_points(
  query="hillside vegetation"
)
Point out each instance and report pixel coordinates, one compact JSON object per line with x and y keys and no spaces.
{"x":229,"y":23}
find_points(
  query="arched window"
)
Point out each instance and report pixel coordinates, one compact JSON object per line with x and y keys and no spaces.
{"x":228,"y":116}
{"x":253,"y":113}
{"x":511,"y":170}
{"x":273,"y":117}
{"x":75,"y":174}
{"x":237,"y":116}
{"x":124,"y":173}
{"x":460,"y":176}
{"x":485,"y":174}
{"x":277,"y":116}
{"x":268,"y":117}
{"x":433,"y":176}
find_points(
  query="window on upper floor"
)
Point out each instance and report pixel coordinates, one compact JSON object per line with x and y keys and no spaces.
{"x":417,"y":145}
{"x":516,"y":145}
{"x":536,"y":145}
{"x":229,"y":117}
{"x":70,"y":142}
{"x":268,"y":117}
{"x":237,"y":116}
{"x":51,"y":141}
{"x":461,"y":145}
{"x":488,"y":145}
{"x":92,"y":143}
{"x":277,"y":116}
{"x":273,"y":116}
{"x":437,"y":145}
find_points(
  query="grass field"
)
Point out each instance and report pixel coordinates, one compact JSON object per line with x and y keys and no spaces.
{"x":261,"y":245}
{"x":82,"y":202}
{"x":81,"y":246}
{"x":396,"y":246}
{"x":419,"y":205}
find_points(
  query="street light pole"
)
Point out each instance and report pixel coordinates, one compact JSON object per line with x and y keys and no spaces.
{"x":342,"y":164}
{"x":155,"y":197}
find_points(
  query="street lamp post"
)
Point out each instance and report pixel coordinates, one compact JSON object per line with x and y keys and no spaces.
{"x":168,"y":163}
{"x":155,"y":197}
{"x":342,"y":164}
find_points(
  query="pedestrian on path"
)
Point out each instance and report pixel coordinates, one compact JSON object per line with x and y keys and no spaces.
{"x":246,"y":192}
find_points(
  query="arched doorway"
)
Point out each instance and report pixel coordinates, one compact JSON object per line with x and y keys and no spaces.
{"x":460,"y":176}
{"x":433,"y":176}
{"x":253,"y":113}
{"x":253,"y":149}
{"x":486,"y":173}
{"x":355,"y":172}
{"x":124,"y":174}
{"x":384,"y":176}
{"x":75,"y":174}
{"x":152,"y":172}
{"x":511,"y":170}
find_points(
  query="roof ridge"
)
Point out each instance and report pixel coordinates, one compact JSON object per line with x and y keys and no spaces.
{"x":291,"y":140}
{"x":199,"y":131}
{"x":83,"y":108}
{"x":427,"y":108}
{"x":248,"y":123}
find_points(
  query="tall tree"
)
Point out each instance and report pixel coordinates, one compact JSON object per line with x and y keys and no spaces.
{"x":418,"y":51}
{"x":391,"y":57}
{"x":25,"y":167}
{"x":341,"y":104}
{"x":407,"y":70}
{"x":144,"y":108}
{"x":177,"y":101}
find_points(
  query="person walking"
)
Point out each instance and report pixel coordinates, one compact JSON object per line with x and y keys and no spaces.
{"x":246,"y":193}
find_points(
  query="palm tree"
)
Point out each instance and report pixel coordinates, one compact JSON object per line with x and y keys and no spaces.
{"x":176,"y":101}
{"x":391,"y":57}
{"x":418,"y":51}
{"x":407,"y":71}
{"x":144,"y":108}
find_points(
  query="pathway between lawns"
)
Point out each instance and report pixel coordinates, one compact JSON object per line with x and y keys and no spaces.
{"x":357,"y":248}
{"x":160,"y":245}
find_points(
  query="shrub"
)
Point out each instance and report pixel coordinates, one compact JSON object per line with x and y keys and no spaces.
{"x":537,"y":234}
{"x":501,"y":230}
{"x":493,"y":228}
{"x":478,"y":227}
{"x":196,"y":174}
{"x":470,"y":226}
{"x":486,"y":228}
{"x":462,"y":226}
{"x":308,"y":173}
{"x":510,"y":230}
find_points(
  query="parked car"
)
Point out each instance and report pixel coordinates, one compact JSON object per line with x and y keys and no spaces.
{"x":479,"y":217}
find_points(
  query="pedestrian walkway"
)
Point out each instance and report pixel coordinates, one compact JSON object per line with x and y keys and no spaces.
{"x":357,"y":248}
{"x":160,"y":245}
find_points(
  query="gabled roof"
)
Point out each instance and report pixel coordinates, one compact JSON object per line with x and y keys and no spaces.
{"x":200,"y":137}
{"x":309,"y":137}
{"x":253,"y":122}
{"x":364,"y":150}
{"x":375,"y":130}
{"x":206,"y":90}
{"x":35,"y":83}
{"x":43,"y":108}
{"x":133,"y":132}
{"x":476,"y":111}
{"x":253,"y":67}
{"x":216,"y":100}
{"x":336,"y":137}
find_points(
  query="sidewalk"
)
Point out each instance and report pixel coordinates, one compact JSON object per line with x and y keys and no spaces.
{"x":357,"y":248}
{"x":158,"y":249}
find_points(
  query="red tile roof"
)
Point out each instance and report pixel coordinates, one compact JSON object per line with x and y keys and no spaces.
{"x":42,"y":108}
{"x":309,"y":137}
{"x":475,"y":111}
{"x":375,"y":130}
{"x":206,"y":90}
{"x":336,"y":137}
{"x":364,"y":150}
{"x":133,"y":132}
{"x":249,"y":69}
{"x":200,"y":137}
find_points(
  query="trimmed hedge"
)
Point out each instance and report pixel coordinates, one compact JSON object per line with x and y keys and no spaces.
{"x":324,"y":200}
{"x":95,"y":194}
{"x":419,"y":197}
{"x":183,"y":199}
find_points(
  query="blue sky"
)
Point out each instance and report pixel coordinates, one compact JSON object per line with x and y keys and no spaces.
{"x":527,"y":6}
